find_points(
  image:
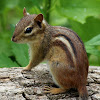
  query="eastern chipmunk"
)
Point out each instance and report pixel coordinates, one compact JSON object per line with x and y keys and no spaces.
{"x":63,"y":49}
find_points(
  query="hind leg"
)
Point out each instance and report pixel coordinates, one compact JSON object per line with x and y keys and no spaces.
{"x":83,"y":93}
{"x":50,"y":90}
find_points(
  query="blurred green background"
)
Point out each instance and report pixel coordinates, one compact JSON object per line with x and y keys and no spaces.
{"x":82,"y":16}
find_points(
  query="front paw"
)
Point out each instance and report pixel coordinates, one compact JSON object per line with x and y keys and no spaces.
{"x":25,"y":69}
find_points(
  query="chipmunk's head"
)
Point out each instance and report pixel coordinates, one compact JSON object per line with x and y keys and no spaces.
{"x":29,"y":28}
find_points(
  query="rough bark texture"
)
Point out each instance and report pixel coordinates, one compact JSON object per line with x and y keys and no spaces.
{"x":28,"y":86}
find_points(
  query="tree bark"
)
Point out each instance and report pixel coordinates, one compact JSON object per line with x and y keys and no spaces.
{"x":15,"y":85}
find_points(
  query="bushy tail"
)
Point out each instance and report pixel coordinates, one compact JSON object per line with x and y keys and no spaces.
{"x":83,"y":93}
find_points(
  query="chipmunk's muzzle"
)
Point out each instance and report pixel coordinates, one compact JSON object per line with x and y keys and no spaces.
{"x":13,"y":39}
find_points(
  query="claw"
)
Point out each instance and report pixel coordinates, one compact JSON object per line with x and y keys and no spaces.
{"x":46,"y":91}
{"x":47,"y":88}
{"x":51,"y":90}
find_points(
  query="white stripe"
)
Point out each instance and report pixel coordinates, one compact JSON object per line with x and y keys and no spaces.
{"x":66,"y":42}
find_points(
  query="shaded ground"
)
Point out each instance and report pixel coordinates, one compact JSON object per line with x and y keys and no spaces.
{"x":28,"y":86}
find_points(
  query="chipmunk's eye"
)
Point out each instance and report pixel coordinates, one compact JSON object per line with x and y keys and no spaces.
{"x":28,"y":30}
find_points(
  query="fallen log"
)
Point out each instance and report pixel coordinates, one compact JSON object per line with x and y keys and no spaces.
{"x":15,"y":85}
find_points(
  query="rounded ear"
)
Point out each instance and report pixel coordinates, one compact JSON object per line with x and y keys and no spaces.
{"x":39,"y":18}
{"x":25,"y":12}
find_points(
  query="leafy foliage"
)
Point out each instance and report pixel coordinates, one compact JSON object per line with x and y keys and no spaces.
{"x":20,"y":51}
{"x":82,"y":16}
{"x":79,"y":10}
{"x":94,"y":41}
{"x":6,"y":61}
{"x":87,"y":30}
{"x":92,"y":45}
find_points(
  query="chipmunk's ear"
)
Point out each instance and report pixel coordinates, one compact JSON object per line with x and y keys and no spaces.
{"x":25,"y":12}
{"x":39,"y":19}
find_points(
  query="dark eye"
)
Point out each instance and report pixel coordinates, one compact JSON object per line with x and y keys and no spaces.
{"x":28,"y":30}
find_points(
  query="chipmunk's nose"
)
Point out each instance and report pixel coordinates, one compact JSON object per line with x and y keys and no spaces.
{"x":13,"y":38}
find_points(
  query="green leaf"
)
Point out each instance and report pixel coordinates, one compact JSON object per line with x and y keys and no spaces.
{"x":21,"y":53}
{"x":5,"y":61}
{"x":92,"y":50}
{"x":5,"y":43}
{"x":87,"y":30}
{"x":92,"y":46}
{"x":94,"y":41}
{"x":5,"y":48}
{"x":78,"y":10}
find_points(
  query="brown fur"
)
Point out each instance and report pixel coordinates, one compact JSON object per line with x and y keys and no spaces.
{"x":68,"y":64}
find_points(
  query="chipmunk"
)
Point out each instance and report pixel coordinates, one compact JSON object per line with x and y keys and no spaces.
{"x":63,"y":49}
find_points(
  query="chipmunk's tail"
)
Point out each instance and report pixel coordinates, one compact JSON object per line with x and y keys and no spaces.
{"x":83,"y":93}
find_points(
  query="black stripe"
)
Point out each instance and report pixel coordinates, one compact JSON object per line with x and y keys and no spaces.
{"x":63,"y":46}
{"x":77,"y":37}
{"x":67,"y":38}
